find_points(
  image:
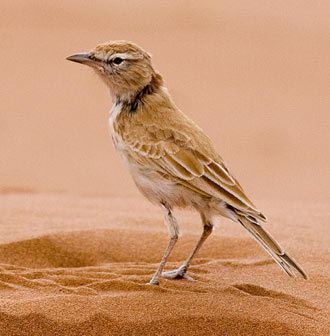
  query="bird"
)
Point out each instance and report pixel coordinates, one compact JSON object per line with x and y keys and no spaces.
{"x":172,"y":161}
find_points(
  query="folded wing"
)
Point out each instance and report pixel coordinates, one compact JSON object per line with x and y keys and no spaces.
{"x":184,"y":162}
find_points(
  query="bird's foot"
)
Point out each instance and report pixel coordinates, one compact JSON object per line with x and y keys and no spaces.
{"x":179,"y":273}
{"x":153,"y":282}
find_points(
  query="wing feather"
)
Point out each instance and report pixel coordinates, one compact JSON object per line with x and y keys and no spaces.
{"x":188,"y":160}
{"x":186,"y":164}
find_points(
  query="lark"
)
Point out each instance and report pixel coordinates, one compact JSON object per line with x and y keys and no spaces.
{"x":172,"y":161}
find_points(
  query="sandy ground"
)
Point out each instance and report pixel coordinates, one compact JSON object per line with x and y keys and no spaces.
{"x":79,"y":266}
{"x":78,"y":243}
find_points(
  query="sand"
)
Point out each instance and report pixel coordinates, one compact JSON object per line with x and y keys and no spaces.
{"x":79,"y":266}
{"x":78,"y":243}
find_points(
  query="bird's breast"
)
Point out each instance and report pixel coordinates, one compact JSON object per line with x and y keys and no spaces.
{"x":113,"y":120}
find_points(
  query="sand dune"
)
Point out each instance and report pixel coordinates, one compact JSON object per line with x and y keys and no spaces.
{"x":88,"y":282}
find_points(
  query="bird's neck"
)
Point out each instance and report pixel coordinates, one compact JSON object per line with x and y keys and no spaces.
{"x":132,"y":100}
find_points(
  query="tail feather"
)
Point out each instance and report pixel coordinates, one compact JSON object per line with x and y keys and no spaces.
{"x":288,"y":265}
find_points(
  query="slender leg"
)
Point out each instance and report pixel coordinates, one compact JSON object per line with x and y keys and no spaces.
{"x":173,"y":230}
{"x":181,"y":271}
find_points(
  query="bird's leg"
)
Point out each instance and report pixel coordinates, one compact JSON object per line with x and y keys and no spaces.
{"x":173,"y":230}
{"x":180,"y":273}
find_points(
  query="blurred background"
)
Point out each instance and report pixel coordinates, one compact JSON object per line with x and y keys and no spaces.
{"x":255,"y":75}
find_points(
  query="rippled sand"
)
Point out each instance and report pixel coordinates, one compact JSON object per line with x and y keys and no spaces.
{"x":79,"y":266}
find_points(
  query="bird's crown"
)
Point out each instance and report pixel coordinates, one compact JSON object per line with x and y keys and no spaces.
{"x":107,"y":52}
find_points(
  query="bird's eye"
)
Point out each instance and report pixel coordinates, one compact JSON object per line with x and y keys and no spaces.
{"x":117,"y":60}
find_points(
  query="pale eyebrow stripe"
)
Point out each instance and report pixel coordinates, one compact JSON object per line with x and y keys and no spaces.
{"x":124,"y":56}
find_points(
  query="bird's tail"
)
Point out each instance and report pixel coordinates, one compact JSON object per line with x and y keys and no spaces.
{"x":288,"y":265}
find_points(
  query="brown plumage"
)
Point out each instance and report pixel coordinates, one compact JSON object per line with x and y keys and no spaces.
{"x":171,"y":160}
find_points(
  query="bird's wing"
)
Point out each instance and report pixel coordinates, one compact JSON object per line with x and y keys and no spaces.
{"x":183,"y":159}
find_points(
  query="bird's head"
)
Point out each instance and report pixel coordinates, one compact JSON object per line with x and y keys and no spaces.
{"x":123,"y":66}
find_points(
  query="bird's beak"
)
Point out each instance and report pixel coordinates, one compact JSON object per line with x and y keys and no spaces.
{"x":83,"y":58}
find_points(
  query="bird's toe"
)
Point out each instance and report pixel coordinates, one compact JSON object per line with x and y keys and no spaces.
{"x":179,"y":273}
